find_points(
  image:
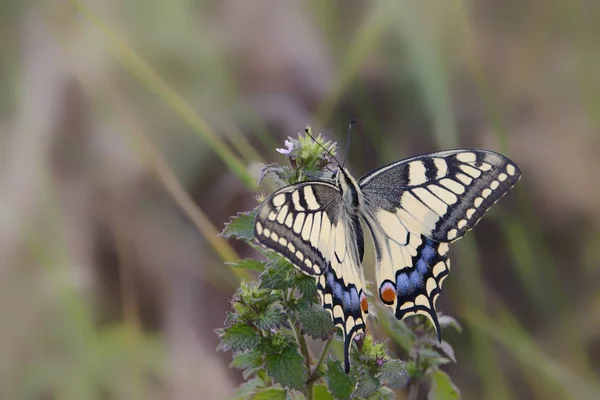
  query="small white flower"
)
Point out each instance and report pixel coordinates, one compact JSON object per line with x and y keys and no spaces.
{"x":290,"y":147}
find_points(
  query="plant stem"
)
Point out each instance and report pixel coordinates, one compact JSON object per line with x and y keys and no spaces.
{"x":413,"y":389}
{"x":315,"y":374}
{"x":304,"y":350}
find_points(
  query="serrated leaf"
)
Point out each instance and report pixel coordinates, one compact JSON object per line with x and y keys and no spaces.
{"x":247,"y":388}
{"x":240,"y":227}
{"x":272,"y":318}
{"x":442,"y":387}
{"x":383,"y":393}
{"x":276,"y":275}
{"x":314,"y":320}
{"x":248,"y":263}
{"x":446,"y":320}
{"x":367,"y":385}
{"x":238,"y":337}
{"x":393,"y":374}
{"x":269,"y":394}
{"x":287,"y":368}
{"x":307,"y":286}
{"x":339,"y":384}
{"x":251,"y":359}
{"x":280,"y":174}
{"x":320,"y":392}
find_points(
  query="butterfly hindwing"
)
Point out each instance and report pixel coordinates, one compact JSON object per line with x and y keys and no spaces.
{"x":306,"y":224}
{"x":415,"y":207}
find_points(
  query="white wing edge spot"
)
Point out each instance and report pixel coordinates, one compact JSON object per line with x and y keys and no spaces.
{"x":502,"y":177}
{"x":462,"y":223}
{"x":494,"y":185}
{"x":259,"y":228}
{"x":486,"y":192}
{"x":511,"y":170}
{"x":278,"y":200}
{"x":452,"y":233}
{"x":443,"y":248}
{"x":438,"y":269}
{"x":478,"y":202}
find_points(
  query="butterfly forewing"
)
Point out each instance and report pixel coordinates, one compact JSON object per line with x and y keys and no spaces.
{"x":415,"y":207}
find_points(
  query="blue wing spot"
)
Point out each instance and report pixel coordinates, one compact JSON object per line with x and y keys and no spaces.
{"x":428,"y":251}
{"x":354,"y":300}
{"x":403,"y":284}
{"x":346,"y":300}
{"x":330,"y":279}
{"x":337,"y":290}
{"x":422,"y":266}
{"x":416,"y":280}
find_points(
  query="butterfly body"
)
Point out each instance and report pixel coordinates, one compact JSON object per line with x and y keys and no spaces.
{"x":412,"y":208}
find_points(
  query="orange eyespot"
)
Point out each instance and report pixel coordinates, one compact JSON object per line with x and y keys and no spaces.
{"x":387,"y":293}
{"x":364,"y":304}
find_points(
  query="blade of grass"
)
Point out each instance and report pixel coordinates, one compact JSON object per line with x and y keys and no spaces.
{"x":364,"y":42}
{"x":167,"y":177}
{"x":138,"y":67}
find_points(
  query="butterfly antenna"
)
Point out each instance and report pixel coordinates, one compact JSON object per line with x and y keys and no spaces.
{"x":348,"y":141}
{"x":306,"y":130}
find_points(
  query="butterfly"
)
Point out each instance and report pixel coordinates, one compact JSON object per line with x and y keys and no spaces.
{"x":413,"y":209}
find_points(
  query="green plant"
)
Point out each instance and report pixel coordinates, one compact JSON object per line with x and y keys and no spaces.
{"x":271,"y":319}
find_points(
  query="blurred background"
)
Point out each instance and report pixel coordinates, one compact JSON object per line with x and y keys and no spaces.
{"x":132,"y":130}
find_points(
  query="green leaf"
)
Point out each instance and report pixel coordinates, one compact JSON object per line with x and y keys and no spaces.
{"x":383,"y":393}
{"x":272,"y":318}
{"x":367,"y":385}
{"x":288,"y":368}
{"x":240,"y":227}
{"x":238,"y":337}
{"x":393,"y":374}
{"x":281,"y":175}
{"x":277,"y":275}
{"x":320,"y":392}
{"x":314,"y":320}
{"x":442,"y":387}
{"x":269,"y":394}
{"x":340,"y":385}
{"x":250,"y":362}
{"x":248,"y":263}
{"x":307,"y":286}
{"x":247,"y":388}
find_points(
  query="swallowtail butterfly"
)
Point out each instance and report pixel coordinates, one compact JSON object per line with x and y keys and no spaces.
{"x":413,"y":208}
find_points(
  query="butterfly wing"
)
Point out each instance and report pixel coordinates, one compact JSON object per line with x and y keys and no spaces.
{"x":415,"y":207}
{"x":307,"y":224}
